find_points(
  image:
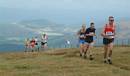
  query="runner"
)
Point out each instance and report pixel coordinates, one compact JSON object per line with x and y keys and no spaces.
{"x":37,"y":45}
{"x":44,"y":41}
{"x":68,"y":44}
{"x":81,"y":35}
{"x":27,"y":44}
{"x":90,"y":33}
{"x":32,"y":43}
{"x":108,"y":35}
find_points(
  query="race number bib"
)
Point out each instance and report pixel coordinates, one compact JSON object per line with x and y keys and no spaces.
{"x":109,"y":33}
{"x":91,"y":33}
{"x":81,"y":36}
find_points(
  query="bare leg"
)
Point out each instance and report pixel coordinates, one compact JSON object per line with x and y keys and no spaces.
{"x":110,"y":53}
{"x":86,"y":47}
{"x":81,"y":49}
{"x":25,"y":48}
{"x":91,"y":51}
{"x":110,"y":49}
{"x":105,"y":53}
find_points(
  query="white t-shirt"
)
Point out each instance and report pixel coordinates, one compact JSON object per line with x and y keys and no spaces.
{"x":44,"y":38}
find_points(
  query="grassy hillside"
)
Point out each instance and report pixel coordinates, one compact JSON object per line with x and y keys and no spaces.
{"x":64,"y":62}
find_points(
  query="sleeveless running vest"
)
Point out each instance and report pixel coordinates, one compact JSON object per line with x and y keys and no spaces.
{"x":109,"y":31}
{"x":82,"y":35}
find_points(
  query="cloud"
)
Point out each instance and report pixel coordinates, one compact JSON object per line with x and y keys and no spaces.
{"x":66,"y":4}
{"x":13,"y":39}
{"x":66,"y":11}
{"x":47,"y":30}
{"x":54,"y":34}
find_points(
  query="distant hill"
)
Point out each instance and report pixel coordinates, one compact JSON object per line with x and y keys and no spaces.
{"x":16,"y":32}
{"x":123,"y":30}
{"x":38,"y":23}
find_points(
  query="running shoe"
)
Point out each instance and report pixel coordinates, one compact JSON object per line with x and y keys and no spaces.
{"x":91,"y":57}
{"x":109,"y":61}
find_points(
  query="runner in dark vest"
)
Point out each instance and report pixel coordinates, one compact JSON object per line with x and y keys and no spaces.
{"x":90,"y":33}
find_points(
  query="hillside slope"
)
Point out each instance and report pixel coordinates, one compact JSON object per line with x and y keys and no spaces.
{"x":64,"y":62}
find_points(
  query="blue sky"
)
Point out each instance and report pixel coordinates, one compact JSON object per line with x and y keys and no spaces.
{"x":69,"y":11}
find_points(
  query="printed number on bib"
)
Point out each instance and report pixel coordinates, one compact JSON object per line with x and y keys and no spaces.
{"x":91,"y":33}
{"x":81,"y":36}
{"x":109,"y":33}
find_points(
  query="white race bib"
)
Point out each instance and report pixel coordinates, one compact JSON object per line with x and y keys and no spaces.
{"x":81,"y":36}
{"x":109,"y":33}
{"x":91,"y":33}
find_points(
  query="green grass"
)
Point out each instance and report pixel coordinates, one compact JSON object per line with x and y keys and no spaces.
{"x":64,"y":62}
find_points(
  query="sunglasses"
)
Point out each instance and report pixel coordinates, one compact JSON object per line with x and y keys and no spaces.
{"x":111,"y":20}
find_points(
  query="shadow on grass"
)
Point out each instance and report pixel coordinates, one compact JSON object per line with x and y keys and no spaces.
{"x":122,"y":66}
{"x":18,"y":56}
{"x":26,"y":67}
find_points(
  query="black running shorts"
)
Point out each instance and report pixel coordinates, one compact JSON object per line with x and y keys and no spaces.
{"x":107,"y":41}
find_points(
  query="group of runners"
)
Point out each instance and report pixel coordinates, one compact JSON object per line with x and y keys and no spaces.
{"x":87,"y":39}
{"x":35,"y":44}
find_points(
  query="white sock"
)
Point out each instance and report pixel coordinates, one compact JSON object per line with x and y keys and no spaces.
{"x":109,"y":58}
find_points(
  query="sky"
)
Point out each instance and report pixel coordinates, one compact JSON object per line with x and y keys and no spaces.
{"x":65,"y":11}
